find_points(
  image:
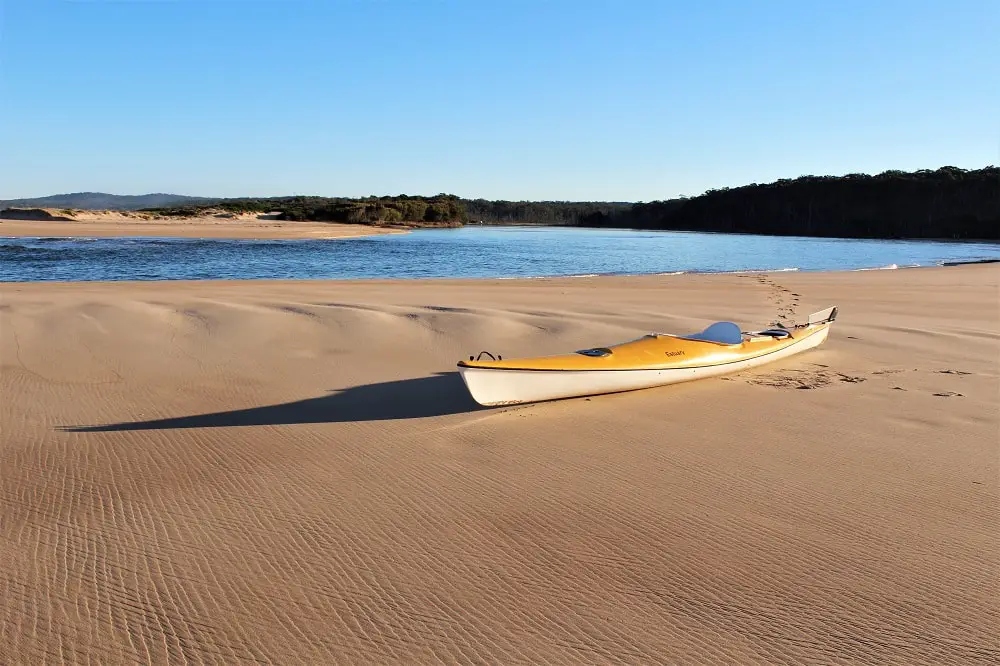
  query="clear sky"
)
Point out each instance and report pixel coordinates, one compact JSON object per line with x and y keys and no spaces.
{"x":622,"y":100}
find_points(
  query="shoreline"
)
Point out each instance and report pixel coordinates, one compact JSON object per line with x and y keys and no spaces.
{"x":514,"y":279}
{"x":991,"y":241}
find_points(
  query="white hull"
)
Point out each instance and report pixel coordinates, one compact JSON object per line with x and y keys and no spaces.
{"x":492,"y":387}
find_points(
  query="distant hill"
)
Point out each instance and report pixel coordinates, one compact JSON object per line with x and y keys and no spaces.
{"x":103,"y":201}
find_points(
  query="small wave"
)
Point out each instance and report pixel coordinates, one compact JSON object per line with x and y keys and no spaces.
{"x":17,"y":254}
{"x":791,"y":269}
{"x":187,"y":242}
{"x":671,"y":273}
{"x":890,"y":267}
{"x":49,"y":239}
{"x":27,"y":247}
{"x":554,"y":276}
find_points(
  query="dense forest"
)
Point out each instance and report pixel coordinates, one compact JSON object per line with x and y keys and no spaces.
{"x":443,"y":209}
{"x":539,"y":212}
{"x":946,"y":203}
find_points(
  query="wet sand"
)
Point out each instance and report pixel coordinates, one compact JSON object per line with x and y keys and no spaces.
{"x":292,"y":472}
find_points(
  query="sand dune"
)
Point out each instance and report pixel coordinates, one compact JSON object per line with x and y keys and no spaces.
{"x":102,"y":224}
{"x":291,"y":472}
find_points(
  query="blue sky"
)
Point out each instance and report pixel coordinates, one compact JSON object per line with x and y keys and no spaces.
{"x":502,"y":99}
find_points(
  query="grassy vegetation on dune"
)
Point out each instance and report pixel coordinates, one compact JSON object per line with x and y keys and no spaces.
{"x":441,"y":210}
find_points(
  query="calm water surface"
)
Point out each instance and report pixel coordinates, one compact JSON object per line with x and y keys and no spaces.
{"x":470,"y":252}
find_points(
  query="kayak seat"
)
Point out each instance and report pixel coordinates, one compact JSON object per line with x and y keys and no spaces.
{"x":723,"y":332}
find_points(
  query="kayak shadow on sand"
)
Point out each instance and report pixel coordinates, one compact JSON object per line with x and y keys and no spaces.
{"x":438,"y":395}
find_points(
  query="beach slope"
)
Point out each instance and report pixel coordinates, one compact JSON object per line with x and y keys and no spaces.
{"x":292,"y":472}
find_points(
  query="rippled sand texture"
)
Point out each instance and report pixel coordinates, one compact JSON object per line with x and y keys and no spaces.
{"x":292,"y":473}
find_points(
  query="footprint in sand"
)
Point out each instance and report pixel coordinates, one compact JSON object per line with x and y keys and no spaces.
{"x":949,"y":394}
{"x":803,"y":379}
{"x":783,"y":309}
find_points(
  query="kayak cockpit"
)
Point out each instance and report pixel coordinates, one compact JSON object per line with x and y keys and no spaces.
{"x":722,"y":332}
{"x":719,"y":333}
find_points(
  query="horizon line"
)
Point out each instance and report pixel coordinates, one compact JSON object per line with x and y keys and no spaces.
{"x":467,"y":198}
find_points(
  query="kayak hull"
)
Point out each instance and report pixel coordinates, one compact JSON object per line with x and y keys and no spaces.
{"x":495,"y":386}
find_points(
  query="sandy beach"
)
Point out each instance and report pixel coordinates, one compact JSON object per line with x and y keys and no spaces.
{"x":292,"y":472}
{"x":106,"y":224}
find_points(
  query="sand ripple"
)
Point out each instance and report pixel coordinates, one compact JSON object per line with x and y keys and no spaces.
{"x":292,"y":473}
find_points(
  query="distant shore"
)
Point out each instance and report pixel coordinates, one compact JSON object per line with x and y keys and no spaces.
{"x":51,"y":222}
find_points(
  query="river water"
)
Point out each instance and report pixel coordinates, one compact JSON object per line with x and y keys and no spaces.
{"x":469,"y":252}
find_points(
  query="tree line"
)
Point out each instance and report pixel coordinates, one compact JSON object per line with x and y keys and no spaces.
{"x":945,"y":203}
{"x":555,"y":213}
{"x":440,"y":210}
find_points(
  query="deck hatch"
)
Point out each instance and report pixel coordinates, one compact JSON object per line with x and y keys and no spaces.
{"x":595,"y":351}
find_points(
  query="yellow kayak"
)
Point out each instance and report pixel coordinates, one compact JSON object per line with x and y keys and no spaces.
{"x":655,"y":359}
